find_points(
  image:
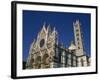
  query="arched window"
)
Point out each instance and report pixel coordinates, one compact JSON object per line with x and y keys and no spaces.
{"x":38,"y":59}
{"x":45,"y":57}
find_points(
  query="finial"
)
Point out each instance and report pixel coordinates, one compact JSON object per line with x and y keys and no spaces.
{"x":49,"y":28}
{"x":44,"y":26}
{"x":54,"y":29}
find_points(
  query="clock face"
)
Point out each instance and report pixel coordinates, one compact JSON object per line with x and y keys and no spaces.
{"x":42,"y":42}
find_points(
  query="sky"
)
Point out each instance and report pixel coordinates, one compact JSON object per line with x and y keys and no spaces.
{"x":63,"y":22}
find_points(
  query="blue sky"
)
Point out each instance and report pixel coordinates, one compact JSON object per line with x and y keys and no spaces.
{"x":63,"y":22}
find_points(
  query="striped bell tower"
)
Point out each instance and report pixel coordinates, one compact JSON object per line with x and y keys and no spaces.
{"x":78,"y":38}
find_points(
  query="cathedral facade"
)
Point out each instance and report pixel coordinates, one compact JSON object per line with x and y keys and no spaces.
{"x":47,"y":52}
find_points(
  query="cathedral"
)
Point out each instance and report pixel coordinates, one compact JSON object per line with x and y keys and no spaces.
{"x":46,"y":51}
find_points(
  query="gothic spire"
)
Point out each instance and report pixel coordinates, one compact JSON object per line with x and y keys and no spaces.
{"x":44,"y":26}
{"x":54,"y":30}
{"x":49,"y":29}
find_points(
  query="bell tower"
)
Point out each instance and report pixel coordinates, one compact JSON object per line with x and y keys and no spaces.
{"x":82,"y":59}
{"x":78,"y":38}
